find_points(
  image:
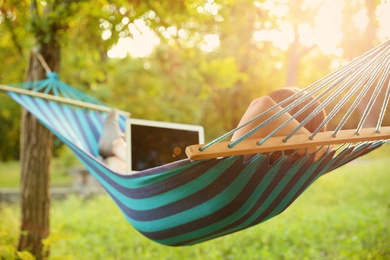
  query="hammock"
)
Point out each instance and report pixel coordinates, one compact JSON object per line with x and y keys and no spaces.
{"x":191,"y":201}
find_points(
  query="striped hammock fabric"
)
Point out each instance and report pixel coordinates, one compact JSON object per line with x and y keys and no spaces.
{"x":188,"y":202}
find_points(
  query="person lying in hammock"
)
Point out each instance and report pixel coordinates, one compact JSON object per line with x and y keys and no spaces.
{"x":264,"y":103}
{"x":112,"y":146}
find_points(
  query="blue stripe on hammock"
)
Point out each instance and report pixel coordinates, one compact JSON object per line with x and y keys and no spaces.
{"x":64,"y":126}
{"x":75,"y":133}
{"x":87,"y":132}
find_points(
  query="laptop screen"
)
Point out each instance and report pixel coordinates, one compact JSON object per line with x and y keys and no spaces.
{"x":154,"y":143}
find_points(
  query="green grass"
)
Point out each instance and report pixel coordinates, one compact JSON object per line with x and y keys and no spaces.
{"x":344,"y":215}
{"x":59,"y":169}
{"x":10,"y":174}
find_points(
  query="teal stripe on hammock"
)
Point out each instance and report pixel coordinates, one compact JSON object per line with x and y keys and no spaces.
{"x":222,"y":199}
{"x":279,"y":188}
{"x":130,"y":220}
{"x":248,"y":206}
{"x":154,"y":178}
{"x":95,"y":126}
{"x":297,"y":187}
{"x":87,"y":132}
{"x":182,"y":192}
{"x":248,"y":171}
{"x":94,"y":133}
{"x":290,"y":196}
{"x":48,"y":116}
{"x":136,"y":181}
{"x":208,"y":207}
{"x":97,"y":121}
{"x":43,"y":112}
{"x":69,"y":117}
{"x":81,"y":132}
{"x":122,"y":122}
{"x":171,"y":196}
{"x":104,"y":184}
{"x":28,"y":101}
{"x":51,"y":120}
{"x":36,"y":109}
{"x":54,"y":121}
{"x":259,"y":191}
{"x":251,"y":220}
{"x":185,"y":190}
{"x":52,"y":112}
{"x":143,"y":204}
{"x":144,"y":181}
{"x":66,"y":129}
{"x":348,"y":154}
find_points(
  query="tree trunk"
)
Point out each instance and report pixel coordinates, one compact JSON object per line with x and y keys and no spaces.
{"x":36,"y":153}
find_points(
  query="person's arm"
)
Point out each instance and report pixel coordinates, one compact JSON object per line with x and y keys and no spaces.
{"x":259,"y":106}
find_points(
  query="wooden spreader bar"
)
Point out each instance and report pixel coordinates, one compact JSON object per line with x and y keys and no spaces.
{"x":60,"y":99}
{"x":250,"y":146}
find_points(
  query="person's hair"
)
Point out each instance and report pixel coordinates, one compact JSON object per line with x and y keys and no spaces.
{"x":282,"y":94}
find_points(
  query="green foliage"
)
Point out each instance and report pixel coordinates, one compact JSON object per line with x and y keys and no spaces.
{"x":9,"y":138}
{"x":344,"y":215}
{"x":179,"y":80}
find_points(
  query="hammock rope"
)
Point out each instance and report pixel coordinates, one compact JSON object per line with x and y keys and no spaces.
{"x":189,"y":202}
{"x":365,"y":78}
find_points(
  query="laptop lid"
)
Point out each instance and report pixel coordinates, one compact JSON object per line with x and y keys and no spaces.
{"x":155,"y":143}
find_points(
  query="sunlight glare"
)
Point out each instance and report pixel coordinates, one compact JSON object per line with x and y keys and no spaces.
{"x":106,"y":34}
{"x":326,"y":33}
{"x":311,"y":4}
{"x":383,"y":14}
{"x":361,"y":20}
{"x":306,"y":35}
{"x":328,"y":25}
{"x":141,"y":44}
{"x":211,"y":43}
{"x":277,"y":8}
{"x":211,"y":7}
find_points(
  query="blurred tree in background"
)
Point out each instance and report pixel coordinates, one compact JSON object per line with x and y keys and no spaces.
{"x":193,"y":61}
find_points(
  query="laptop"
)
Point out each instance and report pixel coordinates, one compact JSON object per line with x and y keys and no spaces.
{"x":155,"y":143}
